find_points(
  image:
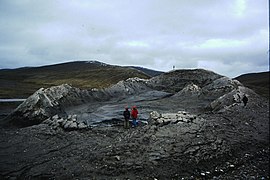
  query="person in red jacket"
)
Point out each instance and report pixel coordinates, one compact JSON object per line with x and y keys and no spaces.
{"x":134,"y":115}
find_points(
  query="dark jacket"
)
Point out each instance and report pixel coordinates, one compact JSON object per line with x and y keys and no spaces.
{"x":245,"y":99}
{"x":126,"y":114}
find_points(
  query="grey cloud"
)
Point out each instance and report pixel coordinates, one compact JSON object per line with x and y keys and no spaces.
{"x":156,"y":33}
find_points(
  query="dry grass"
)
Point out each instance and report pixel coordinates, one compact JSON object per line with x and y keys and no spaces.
{"x":259,"y":82}
{"x":20,"y":83}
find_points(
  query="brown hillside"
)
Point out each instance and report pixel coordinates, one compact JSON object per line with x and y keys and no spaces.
{"x":259,"y":82}
{"x":22,"y":82}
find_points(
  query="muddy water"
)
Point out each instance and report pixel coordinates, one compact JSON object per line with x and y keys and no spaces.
{"x":112,"y":111}
{"x":12,"y":100}
{"x":8,"y":105}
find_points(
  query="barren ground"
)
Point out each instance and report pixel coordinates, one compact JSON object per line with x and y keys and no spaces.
{"x":230,"y":145}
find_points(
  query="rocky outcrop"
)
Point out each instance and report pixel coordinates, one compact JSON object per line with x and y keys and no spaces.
{"x":233,"y":98}
{"x":188,"y":91}
{"x":128,"y":87}
{"x":69,"y":123}
{"x":46,"y":103}
{"x":199,"y":87}
{"x":211,"y":90}
{"x":175,"y":81}
{"x":171,"y":118}
{"x":219,"y":87}
{"x":212,"y":96}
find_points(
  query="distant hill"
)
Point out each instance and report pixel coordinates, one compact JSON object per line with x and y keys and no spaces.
{"x":22,"y":82}
{"x":259,"y":82}
{"x":147,"y":71}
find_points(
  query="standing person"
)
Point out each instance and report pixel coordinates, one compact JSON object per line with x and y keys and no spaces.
{"x":126,"y":115}
{"x":134,"y":115}
{"x":245,"y":100}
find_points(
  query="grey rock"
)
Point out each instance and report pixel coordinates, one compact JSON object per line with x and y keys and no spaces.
{"x":73,"y":125}
{"x":230,"y":99}
{"x":67,"y":125}
{"x":167,"y":118}
{"x":82,"y":126}
{"x":55,"y":117}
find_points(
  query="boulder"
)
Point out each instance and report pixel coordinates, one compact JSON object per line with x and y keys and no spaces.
{"x":128,"y":87}
{"x":175,"y":81}
{"x":233,"y":98}
{"x":70,"y":123}
{"x":82,"y":126}
{"x":171,"y":118}
{"x":189,"y":90}
{"x":220,"y":87}
{"x":154,"y":115}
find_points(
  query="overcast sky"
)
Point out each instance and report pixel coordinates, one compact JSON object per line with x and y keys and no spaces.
{"x":229,"y":37}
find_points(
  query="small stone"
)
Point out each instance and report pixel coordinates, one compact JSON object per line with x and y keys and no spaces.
{"x":60,"y":121}
{"x":55,"y":117}
{"x":73,"y":125}
{"x":66,"y":125}
{"x":117,"y":157}
{"x":185,"y":120}
{"x":82,"y":126}
{"x":48,"y":121}
{"x":154,"y":115}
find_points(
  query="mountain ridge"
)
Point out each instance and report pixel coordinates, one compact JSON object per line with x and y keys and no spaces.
{"x":148,"y":71}
{"x":22,"y":82}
